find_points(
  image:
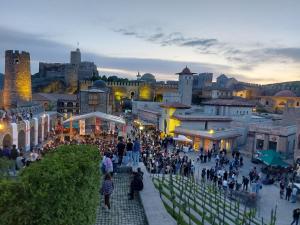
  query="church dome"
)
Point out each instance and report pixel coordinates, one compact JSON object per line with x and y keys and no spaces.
{"x":148,"y":77}
{"x":285,"y":93}
{"x":99,"y":84}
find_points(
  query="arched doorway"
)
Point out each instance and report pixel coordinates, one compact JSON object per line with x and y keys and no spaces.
{"x":21,"y":139}
{"x":7,"y":141}
{"x":32,"y":135}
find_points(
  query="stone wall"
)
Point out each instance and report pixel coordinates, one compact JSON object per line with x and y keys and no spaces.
{"x":17,"y":81}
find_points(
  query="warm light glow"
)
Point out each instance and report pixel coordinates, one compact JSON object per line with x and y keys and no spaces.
{"x":211,"y":131}
{"x":145,"y":93}
{"x":141,"y":128}
{"x":1,"y":126}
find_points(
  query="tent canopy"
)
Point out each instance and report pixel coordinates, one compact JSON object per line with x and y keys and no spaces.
{"x":100,"y":115}
{"x":182,"y":138}
{"x":272,"y":158}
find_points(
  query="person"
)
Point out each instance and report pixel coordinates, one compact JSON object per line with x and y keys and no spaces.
{"x":20,"y":161}
{"x":129,"y":148}
{"x":14,"y":153}
{"x":288,"y":192}
{"x":107,"y":190}
{"x":282,"y":185}
{"x":136,"y":184}
{"x":294,"y":194}
{"x":6,"y":152}
{"x":120,"y":149}
{"x":245,"y":183}
{"x":136,"y":152}
{"x":296,"y":215}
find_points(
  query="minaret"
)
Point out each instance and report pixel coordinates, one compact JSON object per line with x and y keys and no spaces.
{"x":17,"y":79}
{"x":185,"y":86}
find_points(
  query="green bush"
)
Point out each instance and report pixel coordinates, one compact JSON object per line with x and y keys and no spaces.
{"x":61,"y":189}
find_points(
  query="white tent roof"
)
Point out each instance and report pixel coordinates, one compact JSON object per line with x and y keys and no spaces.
{"x":101,"y":115}
{"x":182,"y":138}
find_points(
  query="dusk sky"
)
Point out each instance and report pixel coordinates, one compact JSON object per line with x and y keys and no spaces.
{"x":256,"y":41}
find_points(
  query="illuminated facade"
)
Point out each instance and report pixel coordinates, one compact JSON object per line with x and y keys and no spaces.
{"x":17,"y":80}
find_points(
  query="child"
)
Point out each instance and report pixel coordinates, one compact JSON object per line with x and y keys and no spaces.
{"x":107,"y":190}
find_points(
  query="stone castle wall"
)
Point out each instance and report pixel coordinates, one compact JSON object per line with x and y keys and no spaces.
{"x":17,"y":80}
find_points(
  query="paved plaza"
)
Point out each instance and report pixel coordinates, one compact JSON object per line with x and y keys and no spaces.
{"x":268,"y":196}
{"x":123,"y":211}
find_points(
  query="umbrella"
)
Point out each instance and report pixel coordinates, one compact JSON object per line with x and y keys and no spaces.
{"x":272,"y":158}
{"x":182,"y":138}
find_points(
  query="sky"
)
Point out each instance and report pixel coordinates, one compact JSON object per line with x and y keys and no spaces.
{"x":254,"y":41}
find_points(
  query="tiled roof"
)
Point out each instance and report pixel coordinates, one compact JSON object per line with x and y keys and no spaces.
{"x":230,"y":102}
{"x":177,"y":105}
{"x":201,"y":118}
{"x":216,"y":135}
{"x":53,"y":97}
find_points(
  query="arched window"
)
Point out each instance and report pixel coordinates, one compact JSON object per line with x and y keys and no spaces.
{"x":70,"y":104}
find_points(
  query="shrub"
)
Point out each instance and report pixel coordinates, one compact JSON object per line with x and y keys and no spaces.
{"x":61,"y":189}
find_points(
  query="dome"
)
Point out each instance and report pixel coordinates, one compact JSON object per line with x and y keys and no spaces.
{"x":99,"y":84}
{"x":148,"y":77}
{"x":285,"y":93}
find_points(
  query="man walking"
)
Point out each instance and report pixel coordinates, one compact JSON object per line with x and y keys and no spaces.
{"x":296,"y":214}
{"x":129,"y":148}
{"x":120,"y":149}
{"x":136,"y":152}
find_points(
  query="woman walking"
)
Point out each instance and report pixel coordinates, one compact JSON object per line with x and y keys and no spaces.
{"x":107,"y":190}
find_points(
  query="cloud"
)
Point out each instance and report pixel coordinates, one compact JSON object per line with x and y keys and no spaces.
{"x":245,"y":57}
{"x":42,"y":49}
{"x":170,"y":39}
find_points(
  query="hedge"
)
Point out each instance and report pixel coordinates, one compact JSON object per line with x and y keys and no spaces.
{"x":61,"y":189}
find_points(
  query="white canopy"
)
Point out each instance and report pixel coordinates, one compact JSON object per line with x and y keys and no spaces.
{"x":101,"y":115}
{"x":182,"y":138}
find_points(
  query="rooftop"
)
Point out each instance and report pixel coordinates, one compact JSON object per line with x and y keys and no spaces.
{"x":230,"y":102}
{"x":53,"y":97}
{"x":186,"y":71}
{"x":176,"y":105}
{"x":209,"y":134}
{"x":201,"y":118}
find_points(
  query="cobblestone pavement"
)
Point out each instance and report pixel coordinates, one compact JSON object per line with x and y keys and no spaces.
{"x":123,"y":211}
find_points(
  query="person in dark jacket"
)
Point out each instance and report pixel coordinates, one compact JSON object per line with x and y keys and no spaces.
{"x":107,"y":190}
{"x":136,"y":184}
{"x":296,"y":215}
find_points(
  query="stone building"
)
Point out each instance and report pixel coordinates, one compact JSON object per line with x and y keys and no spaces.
{"x":63,"y":77}
{"x":280,"y":101}
{"x":96,"y":98}
{"x":185,"y":86}
{"x":17,"y":80}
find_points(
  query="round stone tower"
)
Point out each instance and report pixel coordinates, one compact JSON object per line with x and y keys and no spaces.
{"x":17,"y":79}
{"x":185,"y":86}
{"x":75,"y":57}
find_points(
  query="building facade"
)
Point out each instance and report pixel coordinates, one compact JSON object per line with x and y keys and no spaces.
{"x":185,"y":86}
{"x":17,"y":80}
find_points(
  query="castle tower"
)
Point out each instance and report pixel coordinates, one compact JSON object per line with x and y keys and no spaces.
{"x":75,"y":58}
{"x":17,"y":79}
{"x":185,"y":86}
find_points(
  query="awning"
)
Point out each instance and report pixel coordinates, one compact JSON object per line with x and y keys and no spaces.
{"x":272,"y":158}
{"x":182,"y":138}
{"x":100,"y":115}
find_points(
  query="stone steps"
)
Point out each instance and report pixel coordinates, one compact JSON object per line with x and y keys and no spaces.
{"x":222,"y":210}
